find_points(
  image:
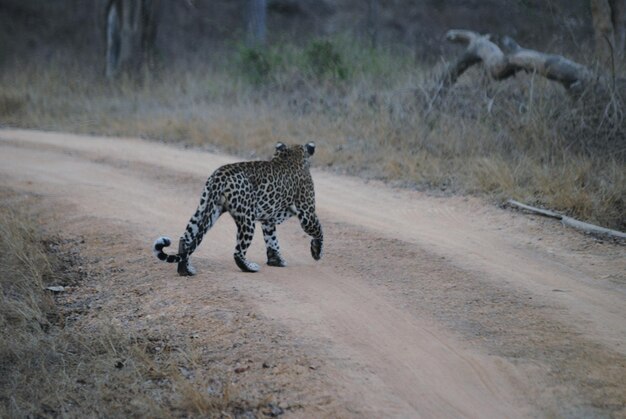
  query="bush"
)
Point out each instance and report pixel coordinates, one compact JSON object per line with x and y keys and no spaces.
{"x":324,"y":61}
{"x":255,"y":65}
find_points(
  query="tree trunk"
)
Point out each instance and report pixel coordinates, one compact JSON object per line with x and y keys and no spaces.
{"x":618,"y":14}
{"x":150,"y":14}
{"x":257,"y":17}
{"x":113,"y":39}
{"x":609,"y":24}
{"x":372,"y":22}
{"x":130,"y":35}
{"x":130,"y":46}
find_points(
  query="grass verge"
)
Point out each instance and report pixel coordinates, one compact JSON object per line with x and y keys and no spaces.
{"x":55,"y":361}
{"x":520,"y":138}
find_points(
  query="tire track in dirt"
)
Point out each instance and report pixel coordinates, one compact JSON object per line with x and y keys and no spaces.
{"x":387,"y":360}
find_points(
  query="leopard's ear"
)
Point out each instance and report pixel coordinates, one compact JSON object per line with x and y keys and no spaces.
{"x":280,"y":146}
{"x":310,"y":148}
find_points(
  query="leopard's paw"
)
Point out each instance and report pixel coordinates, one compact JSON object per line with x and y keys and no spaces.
{"x":245,"y":265}
{"x":316,"y":249}
{"x":274,"y":258}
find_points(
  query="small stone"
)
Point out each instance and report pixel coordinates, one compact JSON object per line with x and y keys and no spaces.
{"x":185,"y":372}
{"x":273,"y":410}
{"x":214,"y":388}
{"x":242,"y":369}
{"x":56,"y":288}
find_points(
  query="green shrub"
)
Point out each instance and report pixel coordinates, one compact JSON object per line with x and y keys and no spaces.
{"x":255,"y":65}
{"x":325,"y":61}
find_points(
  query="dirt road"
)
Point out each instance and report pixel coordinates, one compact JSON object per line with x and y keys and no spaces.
{"x":421,"y":307}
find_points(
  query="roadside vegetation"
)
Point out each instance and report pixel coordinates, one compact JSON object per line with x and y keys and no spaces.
{"x":368,"y":110}
{"x":55,"y":362}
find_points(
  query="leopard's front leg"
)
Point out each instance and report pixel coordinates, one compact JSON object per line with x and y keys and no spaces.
{"x":274,"y":258}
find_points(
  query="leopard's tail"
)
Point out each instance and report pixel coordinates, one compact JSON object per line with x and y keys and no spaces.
{"x":157,"y":249}
{"x":204,"y":218}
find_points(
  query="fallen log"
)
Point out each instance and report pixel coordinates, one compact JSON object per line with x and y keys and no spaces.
{"x":570,"y":222}
{"x":505,"y":60}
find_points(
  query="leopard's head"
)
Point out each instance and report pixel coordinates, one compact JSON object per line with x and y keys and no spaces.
{"x":299,"y":153}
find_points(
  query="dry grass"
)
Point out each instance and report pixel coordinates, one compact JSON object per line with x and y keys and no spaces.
{"x":55,"y":363}
{"x":517,"y":139}
{"x":122,"y":343}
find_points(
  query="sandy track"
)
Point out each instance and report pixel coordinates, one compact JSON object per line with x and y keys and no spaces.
{"x":387,"y":307}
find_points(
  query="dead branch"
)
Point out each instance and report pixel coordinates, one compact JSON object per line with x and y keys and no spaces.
{"x":545,"y":213}
{"x":570,"y":222}
{"x":504,"y":61}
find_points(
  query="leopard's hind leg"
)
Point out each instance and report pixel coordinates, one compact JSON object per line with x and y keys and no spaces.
{"x":245,"y":233}
{"x":184,"y":267}
{"x":201,"y":222}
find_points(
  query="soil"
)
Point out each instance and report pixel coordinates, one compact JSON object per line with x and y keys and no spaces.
{"x":422,"y":306}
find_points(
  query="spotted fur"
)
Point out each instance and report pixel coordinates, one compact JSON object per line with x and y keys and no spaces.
{"x":269,"y":192}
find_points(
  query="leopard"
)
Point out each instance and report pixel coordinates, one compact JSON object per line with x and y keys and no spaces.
{"x":265,"y":191}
